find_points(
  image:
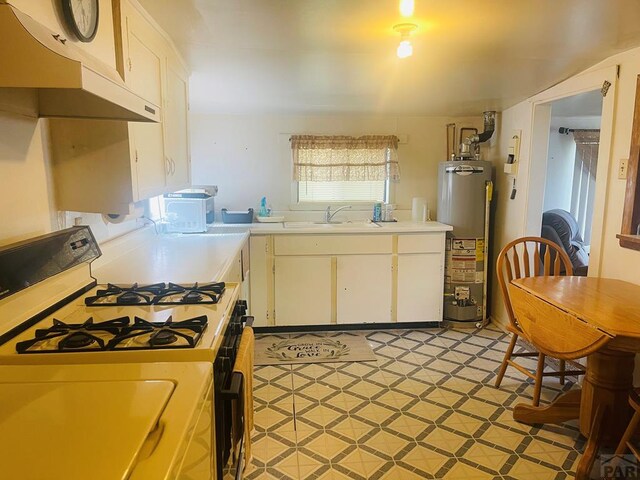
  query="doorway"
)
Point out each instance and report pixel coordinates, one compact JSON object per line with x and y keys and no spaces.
{"x":591,"y":94}
{"x":570,"y":183}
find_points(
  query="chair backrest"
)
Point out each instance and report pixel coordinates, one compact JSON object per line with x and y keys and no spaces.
{"x":529,"y":257}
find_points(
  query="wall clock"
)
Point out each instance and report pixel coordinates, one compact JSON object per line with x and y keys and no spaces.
{"x":81,"y":16}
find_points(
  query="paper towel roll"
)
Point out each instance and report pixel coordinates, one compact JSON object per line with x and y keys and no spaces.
{"x":134,"y":213}
{"x":418,"y":209}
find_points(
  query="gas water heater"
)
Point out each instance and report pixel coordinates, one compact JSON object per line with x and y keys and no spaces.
{"x":464,"y":194}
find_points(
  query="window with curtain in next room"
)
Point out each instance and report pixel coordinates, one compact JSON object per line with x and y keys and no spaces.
{"x":335,"y":168}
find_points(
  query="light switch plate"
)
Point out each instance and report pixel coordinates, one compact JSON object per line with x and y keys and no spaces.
{"x":622,"y":168}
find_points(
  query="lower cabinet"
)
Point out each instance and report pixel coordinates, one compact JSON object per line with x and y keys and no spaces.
{"x":363,"y":288}
{"x":420,"y":287}
{"x":346,"y":279}
{"x":302,"y":290}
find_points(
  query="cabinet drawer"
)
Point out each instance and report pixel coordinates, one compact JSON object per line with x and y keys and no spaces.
{"x":332,"y":244}
{"x":422,"y":243}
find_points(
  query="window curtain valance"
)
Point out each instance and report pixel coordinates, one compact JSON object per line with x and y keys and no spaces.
{"x":330,"y":158}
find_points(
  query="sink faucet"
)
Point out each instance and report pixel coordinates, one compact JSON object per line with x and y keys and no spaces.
{"x":328,"y":215}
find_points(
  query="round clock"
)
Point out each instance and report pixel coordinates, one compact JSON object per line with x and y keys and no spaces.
{"x":82,"y":18}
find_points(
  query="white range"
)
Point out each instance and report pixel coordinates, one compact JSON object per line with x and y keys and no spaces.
{"x":131,"y":369}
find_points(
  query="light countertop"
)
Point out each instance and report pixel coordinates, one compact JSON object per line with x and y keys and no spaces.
{"x":297,"y":228}
{"x":145,"y":257}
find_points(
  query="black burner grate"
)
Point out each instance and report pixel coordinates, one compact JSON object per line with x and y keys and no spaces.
{"x":157,"y":294}
{"x":114,"y":335}
{"x":125,"y":295}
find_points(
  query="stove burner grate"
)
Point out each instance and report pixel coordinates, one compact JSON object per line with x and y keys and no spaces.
{"x":157,"y":294}
{"x":205,"y":294}
{"x":74,"y":336}
{"x":113,"y":335}
{"x":161,"y":335}
{"x":120,"y":295}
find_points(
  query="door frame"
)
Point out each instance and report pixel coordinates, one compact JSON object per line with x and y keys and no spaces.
{"x":540,"y":121}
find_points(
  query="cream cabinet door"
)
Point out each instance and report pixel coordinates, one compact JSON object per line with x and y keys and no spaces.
{"x":420,"y":287}
{"x":303,"y":290}
{"x":144,"y":76}
{"x":364,"y":288}
{"x":176,"y":128}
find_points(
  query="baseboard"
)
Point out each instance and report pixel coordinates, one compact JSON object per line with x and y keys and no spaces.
{"x":342,"y":327}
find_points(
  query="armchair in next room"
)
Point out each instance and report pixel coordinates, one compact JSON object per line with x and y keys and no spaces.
{"x":560,"y":227}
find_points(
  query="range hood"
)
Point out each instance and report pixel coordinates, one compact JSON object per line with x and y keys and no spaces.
{"x":67,"y":81}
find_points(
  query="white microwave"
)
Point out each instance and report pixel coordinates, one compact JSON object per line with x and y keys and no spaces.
{"x":188,"y":211}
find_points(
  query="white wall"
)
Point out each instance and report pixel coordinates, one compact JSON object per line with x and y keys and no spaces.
{"x":561,"y":160}
{"x":510,"y":219}
{"x":248,"y":156}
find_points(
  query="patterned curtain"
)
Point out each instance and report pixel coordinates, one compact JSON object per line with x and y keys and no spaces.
{"x":584,"y":179}
{"x":341,"y":158}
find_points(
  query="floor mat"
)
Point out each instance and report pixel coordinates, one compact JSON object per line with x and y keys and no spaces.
{"x":312,"y":348}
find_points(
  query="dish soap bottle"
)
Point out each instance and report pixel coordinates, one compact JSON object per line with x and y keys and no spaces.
{"x":263,"y":212}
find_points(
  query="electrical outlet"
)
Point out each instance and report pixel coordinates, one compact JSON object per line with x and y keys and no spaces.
{"x":622,"y":168}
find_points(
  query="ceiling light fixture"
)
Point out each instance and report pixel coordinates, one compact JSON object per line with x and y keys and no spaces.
{"x":405,"y":49}
{"x":406,"y":7}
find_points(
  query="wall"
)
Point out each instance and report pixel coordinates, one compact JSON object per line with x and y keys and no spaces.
{"x":562,"y":151}
{"x":617,"y":262}
{"x":248,"y":156}
{"x":27,"y":207}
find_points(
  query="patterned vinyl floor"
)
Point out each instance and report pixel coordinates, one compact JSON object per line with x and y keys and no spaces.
{"x":425,"y":409}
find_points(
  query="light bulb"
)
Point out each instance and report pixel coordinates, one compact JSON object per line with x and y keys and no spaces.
{"x":405,"y":49}
{"x":406,"y":7}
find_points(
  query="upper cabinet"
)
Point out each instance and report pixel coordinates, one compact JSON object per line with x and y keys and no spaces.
{"x":130,"y":162}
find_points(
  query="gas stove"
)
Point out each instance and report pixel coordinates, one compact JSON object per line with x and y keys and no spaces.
{"x":87,"y":331}
{"x":53,"y":313}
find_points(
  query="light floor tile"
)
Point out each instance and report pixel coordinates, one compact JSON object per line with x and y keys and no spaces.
{"x":460,"y":471}
{"x":526,"y":470}
{"x":425,"y":459}
{"x":488,"y":457}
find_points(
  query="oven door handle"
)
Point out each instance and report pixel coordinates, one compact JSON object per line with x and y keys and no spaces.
{"x":235,"y":388}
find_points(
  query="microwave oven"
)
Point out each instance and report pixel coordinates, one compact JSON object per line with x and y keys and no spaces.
{"x":188,"y":211}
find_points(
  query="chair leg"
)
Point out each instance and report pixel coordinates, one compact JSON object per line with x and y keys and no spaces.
{"x":562,"y":370}
{"x":507,"y":357}
{"x":622,"y":446}
{"x":538,"y":381}
{"x":628,"y":433}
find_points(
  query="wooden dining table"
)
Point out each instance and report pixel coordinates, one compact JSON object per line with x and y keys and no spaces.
{"x":574,"y":317}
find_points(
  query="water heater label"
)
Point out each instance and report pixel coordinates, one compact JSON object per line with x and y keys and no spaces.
{"x":480,"y":250}
{"x":464,"y":244}
{"x":460,"y":262}
{"x":463,"y":276}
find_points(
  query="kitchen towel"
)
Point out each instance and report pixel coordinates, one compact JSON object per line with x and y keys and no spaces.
{"x":244,"y":408}
{"x":312,"y":348}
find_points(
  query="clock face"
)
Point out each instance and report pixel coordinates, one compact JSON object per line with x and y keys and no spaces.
{"x":82,"y":18}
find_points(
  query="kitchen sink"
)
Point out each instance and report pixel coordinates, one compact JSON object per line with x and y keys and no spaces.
{"x":332,"y":225}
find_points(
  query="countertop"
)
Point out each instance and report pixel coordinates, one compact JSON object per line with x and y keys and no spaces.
{"x":297,"y":228}
{"x":146,"y":257}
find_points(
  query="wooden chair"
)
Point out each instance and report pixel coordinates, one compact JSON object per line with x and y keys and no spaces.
{"x":625,"y":442}
{"x":527,"y":257}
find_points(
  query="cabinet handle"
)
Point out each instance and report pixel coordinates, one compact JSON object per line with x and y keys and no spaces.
{"x":173,"y":166}
{"x":167,"y":161}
